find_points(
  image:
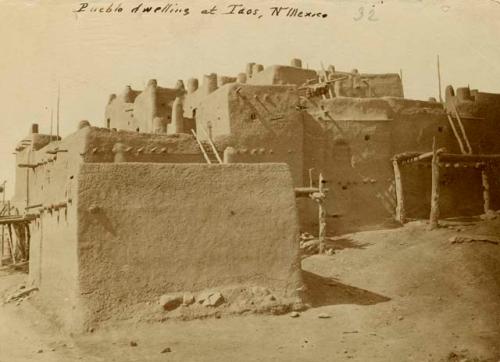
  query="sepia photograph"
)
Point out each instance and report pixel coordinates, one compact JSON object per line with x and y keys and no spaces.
{"x":215,"y":180}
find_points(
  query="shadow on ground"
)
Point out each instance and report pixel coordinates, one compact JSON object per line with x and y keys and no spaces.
{"x":344,"y":243}
{"x":323,"y":291}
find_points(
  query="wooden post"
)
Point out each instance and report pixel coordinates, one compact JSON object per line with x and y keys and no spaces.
{"x":434,"y":215}
{"x":11,"y":245}
{"x":321,"y":216}
{"x":21,"y":244}
{"x":486,"y":190}
{"x":400,"y":202}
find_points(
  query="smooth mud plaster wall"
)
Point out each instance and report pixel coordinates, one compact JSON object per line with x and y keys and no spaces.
{"x":54,"y":265}
{"x":147,"y":229}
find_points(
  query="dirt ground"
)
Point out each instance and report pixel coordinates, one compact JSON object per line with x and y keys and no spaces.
{"x":403,"y":294}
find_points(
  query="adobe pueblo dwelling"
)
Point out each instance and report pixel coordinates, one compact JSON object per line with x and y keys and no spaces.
{"x":204,"y":187}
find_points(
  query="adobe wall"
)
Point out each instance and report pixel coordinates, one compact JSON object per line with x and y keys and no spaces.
{"x":266,"y":126}
{"x":29,"y":185}
{"x":154,"y":102}
{"x":282,"y":75}
{"x":480,"y":112}
{"x":53,"y":265}
{"x":53,"y":253}
{"x":53,"y":196}
{"x":209,"y":110}
{"x":352,"y":142}
{"x":49,"y":162}
{"x":461,"y":193}
{"x":119,"y":112}
{"x":140,"y":147}
{"x":135,"y":111}
{"x":384,"y":85}
{"x":363,"y":85}
{"x":174,"y":239}
{"x":57,"y":162}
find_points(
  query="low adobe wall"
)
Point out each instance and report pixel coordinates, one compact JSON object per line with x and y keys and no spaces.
{"x":148,"y":229}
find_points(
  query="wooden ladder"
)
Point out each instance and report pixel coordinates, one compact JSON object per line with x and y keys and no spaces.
{"x":462,"y":139}
{"x":207,"y":148}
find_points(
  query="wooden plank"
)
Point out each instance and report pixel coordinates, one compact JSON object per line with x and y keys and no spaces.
{"x":5,"y":220}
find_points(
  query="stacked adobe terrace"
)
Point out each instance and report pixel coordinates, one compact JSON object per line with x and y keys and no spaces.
{"x":122,"y":214}
{"x":346,"y":125}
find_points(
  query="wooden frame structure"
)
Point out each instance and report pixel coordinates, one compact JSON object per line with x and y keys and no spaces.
{"x":20,"y":244}
{"x":439,"y":158}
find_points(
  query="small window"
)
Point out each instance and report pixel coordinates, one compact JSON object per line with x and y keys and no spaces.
{"x":440,"y":129}
{"x":253,"y":116}
{"x":137,"y":129}
{"x":108,"y":122}
{"x":367,"y":137}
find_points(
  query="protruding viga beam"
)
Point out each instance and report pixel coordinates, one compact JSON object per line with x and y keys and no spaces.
{"x":306,"y":191}
{"x":409,"y":157}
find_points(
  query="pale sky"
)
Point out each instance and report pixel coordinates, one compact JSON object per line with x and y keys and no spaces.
{"x":43,"y":44}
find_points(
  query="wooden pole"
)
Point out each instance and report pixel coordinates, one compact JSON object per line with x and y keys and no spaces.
{"x":51,"y":124}
{"x":11,"y":245}
{"x":434,"y":214}
{"x":486,"y":190}
{"x":400,"y":204}
{"x":321,"y":216}
{"x":3,"y":247}
{"x":58,"y":106}
{"x":28,"y":240}
{"x":3,"y":228}
{"x":310,"y":177}
{"x":439,"y":80}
